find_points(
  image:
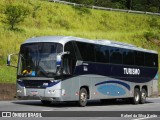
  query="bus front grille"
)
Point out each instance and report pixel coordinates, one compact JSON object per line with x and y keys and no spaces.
{"x":42,"y":84}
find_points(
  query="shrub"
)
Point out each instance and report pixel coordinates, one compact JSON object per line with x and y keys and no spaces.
{"x":14,"y":14}
{"x":63,"y":23}
{"x":82,"y":10}
{"x":150,"y":35}
{"x":154,"y":23}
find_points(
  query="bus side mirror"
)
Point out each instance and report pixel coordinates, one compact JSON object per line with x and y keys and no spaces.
{"x":59,"y":63}
{"x":9,"y":60}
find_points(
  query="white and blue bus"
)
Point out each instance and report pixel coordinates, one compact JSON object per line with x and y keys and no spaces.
{"x":65,"y":68}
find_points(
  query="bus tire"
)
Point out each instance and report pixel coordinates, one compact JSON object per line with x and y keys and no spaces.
{"x":83,"y":95}
{"x":143,"y":96}
{"x":46,"y":102}
{"x":136,"y":97}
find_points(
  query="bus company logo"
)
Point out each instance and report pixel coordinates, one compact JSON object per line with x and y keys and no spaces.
{"x":131,"y":71}
{"x":21,"y":114}
{"x":6,"y":114}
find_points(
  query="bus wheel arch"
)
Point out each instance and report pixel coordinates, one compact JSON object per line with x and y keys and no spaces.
{"x":146,"y":89}
{"x":87,"y":88}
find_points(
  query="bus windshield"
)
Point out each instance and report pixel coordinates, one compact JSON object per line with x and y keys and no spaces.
{"x":38,"y":59}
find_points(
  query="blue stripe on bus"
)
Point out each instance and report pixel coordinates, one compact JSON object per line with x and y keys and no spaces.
{"x":111,"y":90}
{"x":111,"y":81}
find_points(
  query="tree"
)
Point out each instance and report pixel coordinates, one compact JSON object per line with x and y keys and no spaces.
{"x":87,"y":2}
{"x":104,"y":3}
{"x":121,"y":4}
{"x":14,"y":14}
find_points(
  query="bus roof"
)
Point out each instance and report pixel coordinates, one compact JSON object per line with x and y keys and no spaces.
{"x":65,"y":39}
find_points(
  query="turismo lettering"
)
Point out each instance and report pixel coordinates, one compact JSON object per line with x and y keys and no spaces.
{"x":131,"y":71}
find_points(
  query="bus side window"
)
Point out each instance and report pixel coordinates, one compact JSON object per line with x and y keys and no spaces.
{"x":102,"y":53}
{"x":151,"y":60}
{"x":128,"y":57}
{"x":77,"y":52}
{"x":139,"y":58}
{"x":116,"y":55}
{"x":87,"y":51}
{"x":66,"y":65}
{"x":70,"y":60}
{"x":155,"y":60}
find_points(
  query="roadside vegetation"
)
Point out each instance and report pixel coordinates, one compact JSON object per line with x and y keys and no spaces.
{"x":49,"y":18}
{"x":139,"y":5}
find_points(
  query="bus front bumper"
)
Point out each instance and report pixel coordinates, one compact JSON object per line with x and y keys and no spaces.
{"x":40,"y":94}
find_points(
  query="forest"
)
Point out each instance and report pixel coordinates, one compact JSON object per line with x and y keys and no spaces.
{"x":138,"y":5}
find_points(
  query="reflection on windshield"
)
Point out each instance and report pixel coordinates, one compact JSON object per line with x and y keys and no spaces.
{"x":38,"y":59}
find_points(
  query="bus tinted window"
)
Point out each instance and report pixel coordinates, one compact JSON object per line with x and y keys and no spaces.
{"x":128,"y":57}
{"x":69,"y":47}
{"x":148,"y":60}
{"x":155,"y":60}
{"x":78,"y":55}
{"x":139,"y":58}
{"x":102,"y":53}
{"x":115,"y":55}
{"x":86,"y":51}
{"x":151,"y":60}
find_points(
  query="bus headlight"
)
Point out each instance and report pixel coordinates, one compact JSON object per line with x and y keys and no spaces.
{"x":63,"y":92}
{"x":19,"y":91}
{"x":51,"y":91}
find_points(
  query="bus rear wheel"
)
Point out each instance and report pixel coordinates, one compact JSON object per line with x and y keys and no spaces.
{"x":136,"y":97}
{"x":143,"y":96}
{"x":83,"y":95}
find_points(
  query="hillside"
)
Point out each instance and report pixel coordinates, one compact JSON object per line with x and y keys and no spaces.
{"x":49,"y":18}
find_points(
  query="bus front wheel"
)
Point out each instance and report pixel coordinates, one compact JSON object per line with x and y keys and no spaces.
{"x":83,"y":95}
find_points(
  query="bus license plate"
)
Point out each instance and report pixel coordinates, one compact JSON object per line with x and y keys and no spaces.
{"x":34,"y":92}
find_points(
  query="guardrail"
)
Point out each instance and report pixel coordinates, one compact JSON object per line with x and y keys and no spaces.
{"x":104,"y":8}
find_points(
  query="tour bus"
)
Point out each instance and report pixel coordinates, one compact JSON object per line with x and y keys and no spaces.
{"x":66,"y":68}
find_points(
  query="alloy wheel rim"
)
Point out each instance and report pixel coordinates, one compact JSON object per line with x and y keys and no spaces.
{"x":136,"y":96}
{"x":143,"y":95}
{"x":83,"y":97}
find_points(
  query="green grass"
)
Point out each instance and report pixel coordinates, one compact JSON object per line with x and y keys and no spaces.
{"x":8,"y":74}
{"x":48,"y":18}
